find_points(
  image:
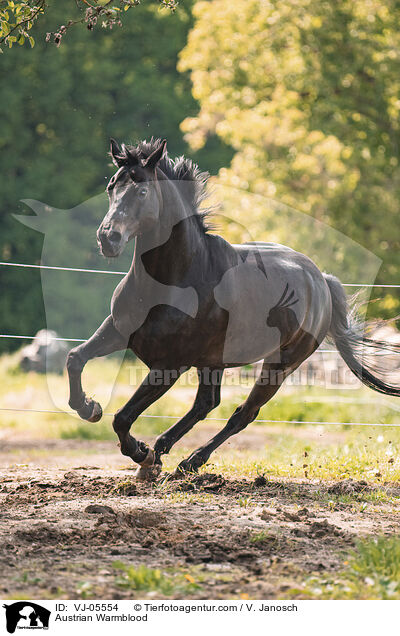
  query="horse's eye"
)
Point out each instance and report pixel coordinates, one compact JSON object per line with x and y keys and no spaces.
{"x":143,"y":192}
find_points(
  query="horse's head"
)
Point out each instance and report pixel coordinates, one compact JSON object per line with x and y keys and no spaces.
{"x":134,"y":196}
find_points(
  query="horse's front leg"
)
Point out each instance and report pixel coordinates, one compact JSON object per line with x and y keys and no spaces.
{"x":156,"y":383}
{"x":207,"y":398}
{"x":104,"y":341}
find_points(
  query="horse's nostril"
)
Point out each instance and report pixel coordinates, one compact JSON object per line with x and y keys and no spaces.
{"x":114,"y":237}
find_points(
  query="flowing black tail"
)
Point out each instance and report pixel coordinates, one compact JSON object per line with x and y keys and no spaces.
{"x":360,"y":353}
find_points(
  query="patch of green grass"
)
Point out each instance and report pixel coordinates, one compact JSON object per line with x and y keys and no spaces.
{"x":166,"y":489}
{"x":372,"y":571}
{"x":316,"y":404}
{"x":21,"y":596}
{"x":371,"y":455}
{"x":26,"y":577}
{"x":143,"y":579}
{"x":359,"y":499}
{"x":101,"y":431}
{"x":378,"y":559}
{"x":245,"y":502}
{"x":85,"y":590}
{"x":125,"y":488}
{"x":188,"y":497}
{"x":261,"y":537}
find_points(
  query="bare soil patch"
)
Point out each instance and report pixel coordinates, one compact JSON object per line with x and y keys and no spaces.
{"x":62,"y":527}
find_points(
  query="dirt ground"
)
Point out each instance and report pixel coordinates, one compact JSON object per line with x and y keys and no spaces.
{"x":71,"y":509}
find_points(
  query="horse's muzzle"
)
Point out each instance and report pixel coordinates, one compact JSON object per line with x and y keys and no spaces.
{"x":109,"y":242}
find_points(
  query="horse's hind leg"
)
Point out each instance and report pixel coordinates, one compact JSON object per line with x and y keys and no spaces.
{"x":265,"y":388}
{"x":207,"y":398}
{"x":104,"y":341}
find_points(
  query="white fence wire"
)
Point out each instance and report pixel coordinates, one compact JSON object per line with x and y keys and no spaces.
{"x":106,"y":271}
{"x":211,"y":419}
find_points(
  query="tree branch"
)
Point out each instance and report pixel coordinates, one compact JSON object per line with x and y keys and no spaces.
{"x":40,"y":9}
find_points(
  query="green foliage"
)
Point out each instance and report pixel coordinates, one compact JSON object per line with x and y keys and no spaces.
{"x":308,"y":94}
{"x":17,"y":18}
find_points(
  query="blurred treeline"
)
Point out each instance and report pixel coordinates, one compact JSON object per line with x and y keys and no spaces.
{"x":296,"y":101}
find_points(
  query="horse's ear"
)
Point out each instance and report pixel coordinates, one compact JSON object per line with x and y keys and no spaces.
{"x":157,"y":154}
{"x":115,"y":152}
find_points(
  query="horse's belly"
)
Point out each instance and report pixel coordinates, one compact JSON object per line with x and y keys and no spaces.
{"x":170,"y":338}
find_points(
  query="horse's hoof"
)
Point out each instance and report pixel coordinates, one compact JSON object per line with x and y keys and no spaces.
{"x":97,"y":412}
{"x":148,"y":470}
{"x":184,"y":469}
{"x":177,"y":474}
{"x":90,"y":411}
{"x":148,"y":473}
{"x":148,"y":460}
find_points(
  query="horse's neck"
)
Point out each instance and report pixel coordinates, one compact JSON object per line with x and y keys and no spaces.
{"x":168,"y":250}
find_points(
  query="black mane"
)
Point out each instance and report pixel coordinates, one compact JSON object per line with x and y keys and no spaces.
{"x":178,"y":169}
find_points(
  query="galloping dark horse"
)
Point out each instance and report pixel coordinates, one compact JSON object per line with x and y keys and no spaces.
{"x":192,"y":299}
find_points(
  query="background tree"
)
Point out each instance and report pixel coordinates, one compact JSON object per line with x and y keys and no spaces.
{"x":307,"y":93}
